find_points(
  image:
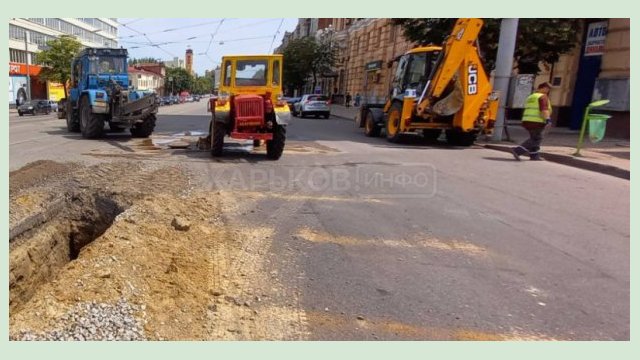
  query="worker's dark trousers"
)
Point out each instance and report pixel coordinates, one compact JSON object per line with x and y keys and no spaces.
{"x":531,"y":146}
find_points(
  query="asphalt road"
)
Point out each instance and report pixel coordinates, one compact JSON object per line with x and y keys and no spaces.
{"x":407,"y":241}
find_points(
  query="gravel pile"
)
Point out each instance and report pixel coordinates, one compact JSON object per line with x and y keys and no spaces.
{"x":94,"y":321}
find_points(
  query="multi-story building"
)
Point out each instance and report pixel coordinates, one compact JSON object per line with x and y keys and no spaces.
{"x":148,"y":76}
{"x":144,"y":80}
{"x":365,"y":49}
{"x":28,"y":36}
{"x":175,"y":63}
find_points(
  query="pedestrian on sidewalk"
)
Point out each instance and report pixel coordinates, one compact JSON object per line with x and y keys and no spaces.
{"x":536,"y":119}
{"x":347,"y":100}
{"x":357,"y":99}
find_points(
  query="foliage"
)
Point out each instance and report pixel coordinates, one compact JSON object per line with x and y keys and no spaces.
{"x":57,"y":58}
{"x":178,"y":79}
{"x":202,"y":85}
{"x":538,"y":40}
{"x":304,"y":58}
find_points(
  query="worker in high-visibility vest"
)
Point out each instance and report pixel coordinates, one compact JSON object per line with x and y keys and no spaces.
{"x":536,"y":118}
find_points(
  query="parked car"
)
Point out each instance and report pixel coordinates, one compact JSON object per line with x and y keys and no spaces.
{"x":291,"y":102}
{"x":196,"y":98}
{"x":312,"y":104}
{"x":175,"y":100}
{"x":35,"y":107}
{"x":54,"y":105}
{"x":165,"y":100}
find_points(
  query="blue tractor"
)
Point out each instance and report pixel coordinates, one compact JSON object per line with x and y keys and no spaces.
{"x":100,"y":94}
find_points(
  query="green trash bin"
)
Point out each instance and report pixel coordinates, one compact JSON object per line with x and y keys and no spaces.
{"x":597,"y":126}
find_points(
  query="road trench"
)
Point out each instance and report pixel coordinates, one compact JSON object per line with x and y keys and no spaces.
{"x":133,"y":251}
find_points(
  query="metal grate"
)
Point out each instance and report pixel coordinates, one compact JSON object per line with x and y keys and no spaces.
{"x":249,"y":110}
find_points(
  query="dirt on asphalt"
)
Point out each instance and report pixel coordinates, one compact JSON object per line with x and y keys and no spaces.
{"x":138,"y":232}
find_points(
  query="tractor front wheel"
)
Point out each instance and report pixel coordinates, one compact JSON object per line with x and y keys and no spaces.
{"x":218,"y":131}
{"x":275,"y":147}
{"x":91,"y":125}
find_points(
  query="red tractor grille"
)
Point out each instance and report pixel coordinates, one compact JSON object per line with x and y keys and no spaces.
{"x":249,"y":110}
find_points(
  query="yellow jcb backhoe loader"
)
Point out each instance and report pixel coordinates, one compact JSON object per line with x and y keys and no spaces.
{"x":438,"y":88}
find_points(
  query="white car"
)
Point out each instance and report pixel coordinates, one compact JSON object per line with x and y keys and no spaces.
{"x":54,"y":105}
{"x":312,"y":105}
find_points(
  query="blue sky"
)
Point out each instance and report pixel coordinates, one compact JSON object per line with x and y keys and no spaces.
{"x":173,"y":36}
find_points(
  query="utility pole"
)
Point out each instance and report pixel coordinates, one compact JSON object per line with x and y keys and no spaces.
{"x":26,"y":52}
{"x":504,"y":65}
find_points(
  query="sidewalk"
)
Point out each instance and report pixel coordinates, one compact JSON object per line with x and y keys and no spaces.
{"x":610,"y":156}
{"x":348,"y":113}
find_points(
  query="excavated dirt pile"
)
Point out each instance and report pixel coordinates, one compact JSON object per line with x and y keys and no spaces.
{"x":130,"y":251}
{"x":120,"y":251}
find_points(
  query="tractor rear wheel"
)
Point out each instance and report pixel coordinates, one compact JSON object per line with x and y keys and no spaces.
{"x":431,"y":135}
{"x":393,"y":122}
{"x":275,"y":147}
{"x":91,"y":125}
{"x":459,"y":138}
{"x":218,"y":132}
{"x":371,"y":129}
{"x":144,"y":128}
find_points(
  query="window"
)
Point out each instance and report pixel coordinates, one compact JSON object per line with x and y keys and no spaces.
{"x":251,"y":73}
{"x":106,"y":65}
{"x":53,"y":23}
{"x":18,"y":56}
{"x":227,"y":73}
{"x":317,"y":98}
{"x":416,"y":70}
{"x":16,"y":32}
{"x":65,"y":27}
{"x":276,"y":73}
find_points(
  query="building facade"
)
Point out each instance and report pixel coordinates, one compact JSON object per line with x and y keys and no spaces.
{"x":153,"y":73}
{"x":597,"y":68}
{"x":28,"y":36}
{"x":144,"y":80}
{"x":175,"y":63}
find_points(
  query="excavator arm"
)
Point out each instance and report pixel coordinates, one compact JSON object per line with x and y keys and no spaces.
{"x":458,"y":84}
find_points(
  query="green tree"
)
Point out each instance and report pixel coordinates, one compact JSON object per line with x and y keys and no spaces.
{"x":202,"y":85}
{"x":305,"y":58}
{"x":178,"y":79}
{"x":56,"y":59}
{"x":538,"y":40}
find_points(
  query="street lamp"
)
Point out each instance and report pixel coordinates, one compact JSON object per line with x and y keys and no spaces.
{"x":26,"y":52}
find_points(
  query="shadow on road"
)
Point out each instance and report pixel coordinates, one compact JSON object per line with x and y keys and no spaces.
{"x":505,"y":159}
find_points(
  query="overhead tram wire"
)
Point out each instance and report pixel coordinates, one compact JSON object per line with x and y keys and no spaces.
{"x":173,"y":29}
{"x":276,"y":34}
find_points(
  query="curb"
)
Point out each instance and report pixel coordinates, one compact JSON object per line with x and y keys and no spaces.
{"x":574,"y":162}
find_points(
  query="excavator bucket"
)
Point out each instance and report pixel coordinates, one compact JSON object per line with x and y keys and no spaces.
{"x":451,"y":103}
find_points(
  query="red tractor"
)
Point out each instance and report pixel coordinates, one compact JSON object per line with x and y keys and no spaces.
{"x":250,"y":104}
